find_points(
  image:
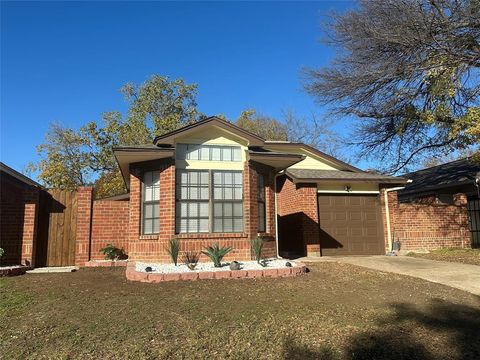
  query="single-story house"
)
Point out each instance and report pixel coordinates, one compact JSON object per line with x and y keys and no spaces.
{"x":440,"y":207}
{"x":215,"y":182}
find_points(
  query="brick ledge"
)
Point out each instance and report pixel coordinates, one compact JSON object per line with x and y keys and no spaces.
{"x":134,"y":275}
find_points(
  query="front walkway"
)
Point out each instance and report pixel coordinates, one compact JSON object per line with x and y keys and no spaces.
{"x":461,"y":276}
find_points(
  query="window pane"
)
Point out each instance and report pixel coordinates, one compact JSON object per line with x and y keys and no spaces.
{"x":237,"y":225}
{"x":227,"y":209}
{"x":204,"y":195}
{"x":228,"y":193}
{"x":204,"y":178}
{"x":193,"y":177}
{"x":218,"y":210}
{"x":203,"y":209}
{"x":217,"y":224}
{"x":217,"y":193}
{"x":237,"y":209}
{"x":227,"y":154}
{"x":227,"y":178}
{"x":215,"y":153}
{"x":192,"y":152}
{"x":228,"y":225}
{"x":192,"y":225}
{"x":203,"y":225}
{"x":148,"y":193}
{"x":148,"y":211}
{"x":192,"y":210}
{"x":237,"y":156}
{"x":238,"y":178}
{"x":183,"y":192}
{"x":194,"y":193}
{"x":238,"y":193}
{"x":204,"y":153}
{"x":184,"y":177}
{"x":147,"y":226}
{"x":156,"y":226}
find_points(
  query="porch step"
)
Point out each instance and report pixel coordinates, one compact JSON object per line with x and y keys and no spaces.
{"x":53,"y":269}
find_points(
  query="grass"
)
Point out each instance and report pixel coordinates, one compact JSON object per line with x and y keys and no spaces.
{"x":465,"y":256}
{"x":337,"y":311}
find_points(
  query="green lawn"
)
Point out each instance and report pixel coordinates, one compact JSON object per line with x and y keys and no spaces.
{"x":465,"y":256}
{"x":334,"y":312}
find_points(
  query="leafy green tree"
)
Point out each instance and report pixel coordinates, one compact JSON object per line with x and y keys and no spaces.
{"x":409,"y":72}
{"x":71,"y":158}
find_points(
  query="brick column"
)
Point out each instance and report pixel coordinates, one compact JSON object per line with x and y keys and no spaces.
{"x":84,"y":221}
{"x":31,"y":199}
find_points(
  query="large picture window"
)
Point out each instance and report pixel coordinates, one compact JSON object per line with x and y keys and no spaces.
{"x":192,"y":201}
{"x":262,"y":223}
{"x":151,"y":203}
{"x":197,"y":189}
{"x":227,"y":201}
{"x":208,"y":152}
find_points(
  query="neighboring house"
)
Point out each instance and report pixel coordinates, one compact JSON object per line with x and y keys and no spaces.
{"x":440,"y":207}
{"x":19,"y":201}
{"x":215,"y":182}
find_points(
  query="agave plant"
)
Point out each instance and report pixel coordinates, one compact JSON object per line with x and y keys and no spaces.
{"x":190,"y":258}
{"x":257,"y":248}
{"x":173,"y":249}
{"x":216,"y":253}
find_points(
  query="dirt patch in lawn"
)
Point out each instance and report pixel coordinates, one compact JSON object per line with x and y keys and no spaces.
{"x":337,"y":311}
{"x":465,"y":256}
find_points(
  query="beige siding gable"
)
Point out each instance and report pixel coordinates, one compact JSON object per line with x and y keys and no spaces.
{"x":311,"y":161}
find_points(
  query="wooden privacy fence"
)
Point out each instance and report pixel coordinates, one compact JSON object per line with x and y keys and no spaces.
{"x":57,"y":228}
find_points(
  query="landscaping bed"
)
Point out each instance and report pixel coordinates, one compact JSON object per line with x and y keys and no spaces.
{"x":106,"y":263}
{"x":156,"y":272}
{"x":464,"y":256}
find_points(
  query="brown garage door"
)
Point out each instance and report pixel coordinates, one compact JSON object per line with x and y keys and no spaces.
{"x":350,"y":225}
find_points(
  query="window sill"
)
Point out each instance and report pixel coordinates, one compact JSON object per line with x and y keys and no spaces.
{"x":266,"y":237}
{"x":149,"y":237}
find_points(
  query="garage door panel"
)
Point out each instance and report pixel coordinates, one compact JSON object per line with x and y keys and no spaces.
{"x":350,"y":225}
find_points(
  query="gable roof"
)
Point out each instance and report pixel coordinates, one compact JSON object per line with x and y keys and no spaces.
{"x":454,"y":173}
{"x":169,"y":138}
{"x":317,"y":152}
{"x":19,"y":176}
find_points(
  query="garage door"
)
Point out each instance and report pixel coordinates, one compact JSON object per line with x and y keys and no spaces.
{"x":350,"y":225}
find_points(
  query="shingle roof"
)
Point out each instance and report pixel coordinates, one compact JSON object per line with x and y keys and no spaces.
{"x":453,"y":173}
{"x":12,"y":172}
{"x":310,"y":174}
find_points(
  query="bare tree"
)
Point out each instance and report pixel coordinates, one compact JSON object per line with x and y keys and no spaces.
{"x":408,"y":71}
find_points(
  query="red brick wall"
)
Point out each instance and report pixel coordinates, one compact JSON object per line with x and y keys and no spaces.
{"x":84,"y":213}
{"x":298,"y":216}
{"x":152,"y":247}
{"x":18,"y":220}
{"x":428,"y":225}
{"x":109,"y":226}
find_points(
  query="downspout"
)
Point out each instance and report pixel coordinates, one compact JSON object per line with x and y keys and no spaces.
{"x":387,"y":213}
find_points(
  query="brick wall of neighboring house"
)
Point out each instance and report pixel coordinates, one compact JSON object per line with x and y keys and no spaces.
{"x":427,"y":225}
{"x":298,"y":217}
{"x":18,"y":220}
{"x":83,"y":233}
{"x":109,"y":226}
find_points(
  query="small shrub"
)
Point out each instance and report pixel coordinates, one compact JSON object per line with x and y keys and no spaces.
{"x":190,"y":258}
{"x":113,"y":253}
{"x":173,"y":249}
{"x":257,"y":248}
{"x":216,"y":253}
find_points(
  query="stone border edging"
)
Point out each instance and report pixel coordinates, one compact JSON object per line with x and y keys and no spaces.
{"x":134,"y":275}
{"x":14,"y":271}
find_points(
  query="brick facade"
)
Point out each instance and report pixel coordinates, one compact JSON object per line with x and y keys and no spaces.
{"x":84,"y":223}
{"x":427,"y":225}
{"x":298,"y":217}
{"x":18,"y":220}
{"x":109,"y":226}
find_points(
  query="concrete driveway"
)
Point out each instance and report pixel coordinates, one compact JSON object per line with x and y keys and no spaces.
{"x":461,"y":276}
